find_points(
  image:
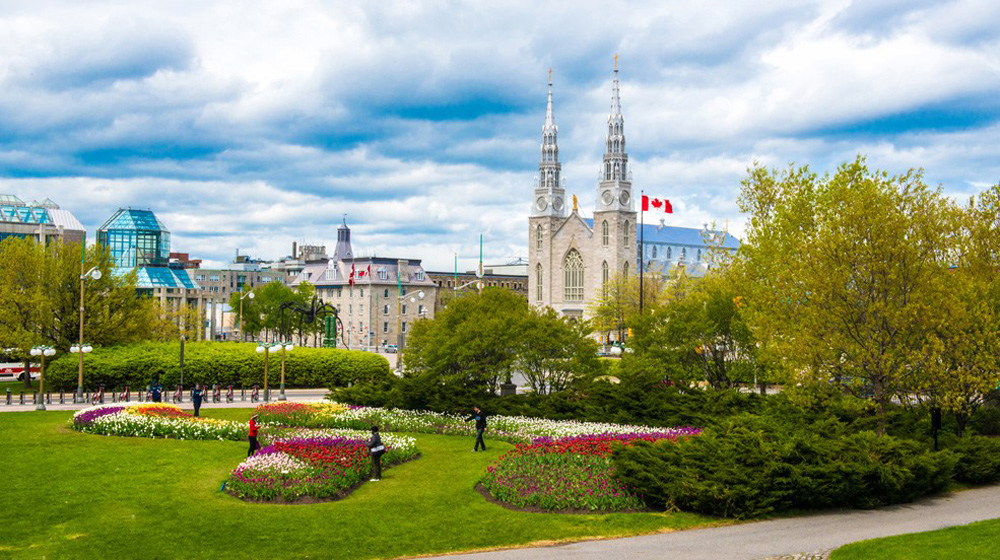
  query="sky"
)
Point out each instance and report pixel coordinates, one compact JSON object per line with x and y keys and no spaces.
{"x":249,"y":125}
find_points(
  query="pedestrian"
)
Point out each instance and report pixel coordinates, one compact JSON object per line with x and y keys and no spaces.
{"x":480,"y":417}
{"x":156,"y":390}
{"x":196,"y":396}
{"x":376,"y":449}
{"x":252,"y":436}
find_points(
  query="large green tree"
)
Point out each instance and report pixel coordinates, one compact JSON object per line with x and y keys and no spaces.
{"x":40,"y":299}
{"x":844,"y":275}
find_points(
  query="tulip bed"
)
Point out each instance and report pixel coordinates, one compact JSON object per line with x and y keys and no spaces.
{"x":512,"y":429}
{"x":568,"y":474}
{"x":154,"y":420}
{"x":313,"y":464}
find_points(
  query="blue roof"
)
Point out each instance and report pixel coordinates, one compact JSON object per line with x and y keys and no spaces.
{"x":673,"y":235}
{"x":161,"y":277}
{"x":131,"y":219}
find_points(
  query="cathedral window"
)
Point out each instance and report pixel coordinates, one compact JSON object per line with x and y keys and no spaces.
{"x":538,"y":283}
{"x":538,"y":238}
{"x":654,"y":251}
{"x":625,"y":271}
{"x":604,"y":233}
{"x":626,"y":233}
{"x":573,"y":276}
{"x":605,"y":276}
{"x":668,"y":253}
{"x":699,"y":255}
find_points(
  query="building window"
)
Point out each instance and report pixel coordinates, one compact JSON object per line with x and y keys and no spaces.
{"x":538,"y":238}
{"x":386,"y":292}
{"x":404,"y":326}
{"x":362,"y":292}
{"x":605,"y":276}
{"x":361,"y":308}
{"x":604,"y":233}
{"x":538,"y":282}
{"x":668,"y":253}
{"x":684,"y":254}
{"x":420,"y":309}
{"x":383,"y":275}
{"x":654,"y":251}
{"x":385,"y":310}
{"x":420,"y":275}
{"x":625,"y":271}
{"x":385,"y":327}
{"x":699,"y":255}
{"x":404,"y":310}
{"x":626,"y":233}
{"x":573,"y":276}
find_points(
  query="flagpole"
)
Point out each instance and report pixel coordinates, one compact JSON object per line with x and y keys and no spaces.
{"x":642,"y":237}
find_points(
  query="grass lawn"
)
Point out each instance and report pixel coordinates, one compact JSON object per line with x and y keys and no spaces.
{"x":978,"y":540}
{"x":68,"y":494}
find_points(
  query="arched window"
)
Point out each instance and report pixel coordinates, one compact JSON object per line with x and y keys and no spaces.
{"x":626,"y":233}
{"x":625,"y":271}
{"x":386,"y":292}
{"x":538,"y":283}
{"x":573,"y":276}
{"x":605,"y":276}
{"x":538,"y":238}
{"x":604,"y":233}
{"x":684,"y":254}
{"x":699,"y":255}
{"x":654,"y":251}
{"x":668,"y":253}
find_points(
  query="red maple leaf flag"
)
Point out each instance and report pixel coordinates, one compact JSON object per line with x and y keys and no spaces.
{"x":657,"y":204}
{"x":350,"y":279}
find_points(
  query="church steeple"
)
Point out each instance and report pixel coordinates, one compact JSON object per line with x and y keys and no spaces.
{"x":343,"y":249}
{"x":615,"y":185}
{"x":549,"y":192}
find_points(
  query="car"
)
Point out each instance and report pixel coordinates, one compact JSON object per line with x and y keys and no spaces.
{"x":391,"y":348}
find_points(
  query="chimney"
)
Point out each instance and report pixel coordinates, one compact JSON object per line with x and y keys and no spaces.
{"x":295,"y":255}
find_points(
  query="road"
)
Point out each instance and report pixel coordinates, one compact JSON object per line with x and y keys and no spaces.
{"x":812,"y":536}
{"x":294,"y":395}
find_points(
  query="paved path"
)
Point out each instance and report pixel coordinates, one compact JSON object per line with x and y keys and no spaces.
{"x":812,"y":536}
{"x":294,"y":395}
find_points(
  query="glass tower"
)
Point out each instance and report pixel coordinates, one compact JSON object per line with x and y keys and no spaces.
{"x":138,"y":239}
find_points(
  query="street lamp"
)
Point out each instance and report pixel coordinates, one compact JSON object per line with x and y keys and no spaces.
{"x":41,"y":352}
{"x":266,"y":349}
{"x":285,"y":347}
{"x":95,"y":274}
{"x":251,"y":296}
{"x":399,"y":324}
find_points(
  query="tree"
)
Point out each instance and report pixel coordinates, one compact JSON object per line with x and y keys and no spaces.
{"x":40,"y":299}
{"x":617,"y":307}
{"x":843,"y":276}
{"x":554,"y":351}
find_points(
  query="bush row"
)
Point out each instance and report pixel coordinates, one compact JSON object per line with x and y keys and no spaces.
{"x":751,"y":467}
{"x":213,"y":362}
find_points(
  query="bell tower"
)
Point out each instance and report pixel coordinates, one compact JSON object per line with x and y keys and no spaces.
{"x":550,"y":191}
{"x":614,"y":188}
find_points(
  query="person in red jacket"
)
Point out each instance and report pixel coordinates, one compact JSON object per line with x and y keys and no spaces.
{"x":252,"y":436}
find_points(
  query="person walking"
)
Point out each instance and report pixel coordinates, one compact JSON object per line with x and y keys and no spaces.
{"x":480,"y":417}
{"x":196,"y":395}
{"x":252,"y":436}
{"x":376,"y":448}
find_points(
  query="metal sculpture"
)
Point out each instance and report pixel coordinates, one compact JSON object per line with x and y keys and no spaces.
{"x":309,"y":314}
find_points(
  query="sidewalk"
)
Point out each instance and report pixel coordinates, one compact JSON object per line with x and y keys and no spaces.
{"x":293,"y":395}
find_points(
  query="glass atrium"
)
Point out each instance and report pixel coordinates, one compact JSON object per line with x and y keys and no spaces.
{"x":137,"y":238}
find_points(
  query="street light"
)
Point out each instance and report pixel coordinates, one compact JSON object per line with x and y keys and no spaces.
{"x":285,"y":347}
{"x":399,"y":324}
{"x":41,"y":352}
{"x":95,"y":274}
{"x":266,"y":349}
{"x":249,"y":295}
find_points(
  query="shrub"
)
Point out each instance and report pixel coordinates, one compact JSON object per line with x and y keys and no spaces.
{"x":978,"y":460}
{"x":210,"y":363}
{"x":751,"y":467}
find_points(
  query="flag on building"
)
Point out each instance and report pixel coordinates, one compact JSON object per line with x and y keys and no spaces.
{"x":656,"y":204}
{"x":350,"y":279}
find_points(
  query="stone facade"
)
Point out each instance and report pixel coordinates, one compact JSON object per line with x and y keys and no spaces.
{"x":568,"y":259}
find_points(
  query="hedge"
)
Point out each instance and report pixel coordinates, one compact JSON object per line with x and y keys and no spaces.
{"x":746,"y":469}
{"x":216,"y":362}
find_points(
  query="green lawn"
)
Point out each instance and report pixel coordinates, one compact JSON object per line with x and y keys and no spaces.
{"x":978,"y":540}
{"x":68,"y":494}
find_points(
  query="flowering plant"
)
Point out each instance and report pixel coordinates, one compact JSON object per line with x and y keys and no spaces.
{"x":154,"y":420}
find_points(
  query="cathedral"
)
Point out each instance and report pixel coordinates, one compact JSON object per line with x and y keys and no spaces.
{"x":571,"y":257}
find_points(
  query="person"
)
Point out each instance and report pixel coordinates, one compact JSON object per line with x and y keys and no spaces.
{"x":480,"y":417}
{"x":156,"y":390}
{"x":196,"y":396}
{"x":376,"y":449}
{"x":252,"y":436}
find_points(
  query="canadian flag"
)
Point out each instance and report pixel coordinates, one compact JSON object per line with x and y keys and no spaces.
{"x":657,"y":204}
{"x":350,"y":279}
{"x":366,"y":272}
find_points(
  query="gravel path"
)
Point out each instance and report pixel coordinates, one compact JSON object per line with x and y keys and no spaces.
{"x":801,"y":538}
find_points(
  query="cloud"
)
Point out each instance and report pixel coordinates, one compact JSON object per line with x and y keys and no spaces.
{"x":257,"y":124}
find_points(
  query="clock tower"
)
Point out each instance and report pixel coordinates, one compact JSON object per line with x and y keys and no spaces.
{"x":550,"y":191}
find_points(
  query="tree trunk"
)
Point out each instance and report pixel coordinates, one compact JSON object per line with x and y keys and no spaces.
{"x":27,"y":374}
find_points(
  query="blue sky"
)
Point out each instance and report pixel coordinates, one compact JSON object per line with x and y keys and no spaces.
{"x":251,"y":125}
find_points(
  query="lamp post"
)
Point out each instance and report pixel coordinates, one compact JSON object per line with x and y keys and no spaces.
{"x":399,"y":325}
{"x":41,"y":352}
{"x":251,"y":296}
{"x":96,"y":275}
{"x":285,"y":347}
{"x":266,"y":349}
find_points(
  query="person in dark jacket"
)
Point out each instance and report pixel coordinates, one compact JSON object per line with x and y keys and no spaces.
{"x":196,"y":395}
{"x":156,"y":391}
{"x":480,"y":417}
{"x":252,"y":436}
{"x":376,"y":448}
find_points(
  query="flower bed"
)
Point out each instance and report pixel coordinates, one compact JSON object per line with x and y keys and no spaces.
{"x":513,"y":429}
{"x":313,"y":464}
{"x":568,"y":474}
{"x":154,"y":420}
